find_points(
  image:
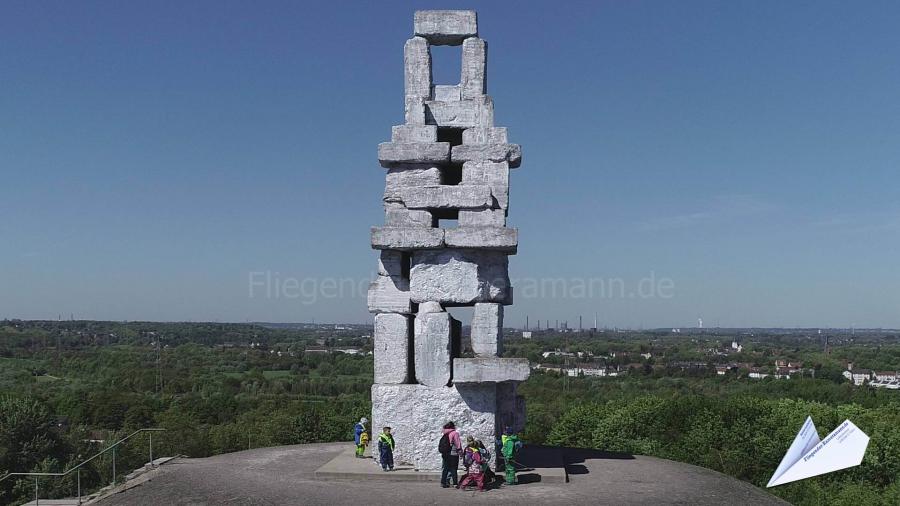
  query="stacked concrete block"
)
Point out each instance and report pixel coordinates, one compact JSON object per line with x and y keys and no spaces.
{"x":445,"y":93}
{"x":494,"y":175}
{"x":389,"y":294}
{"x":398,"y":215}
{"x":494,"y":238}
{"x":414,"y":110}
{"x":447,"y":197}
{"x":450,"y":28}
{"x":433,"y":348}
{"x":469,"y":113}
{"x":414,"y":133}
{"x":489,"y":370}
{"x":391,"y":343}
{"x":447,"y":163}
{"x":410,"y":177}
{"x":395,"y":154}
{"x":482,"y":217}
{"x":511,"y":153}
{"x":417,"y":67}
{"x":487,"y":329}
{"x":459,"y":277}
{"x":473,"y":81}
{"x":390,"y":263}
{"x":490,"y":135}
{"x":407,"y":238}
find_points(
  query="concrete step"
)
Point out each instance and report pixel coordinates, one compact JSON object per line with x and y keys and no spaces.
{"x":534,"y":464}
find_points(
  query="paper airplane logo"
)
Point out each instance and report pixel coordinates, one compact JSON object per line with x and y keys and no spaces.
{"x":808,"y":456}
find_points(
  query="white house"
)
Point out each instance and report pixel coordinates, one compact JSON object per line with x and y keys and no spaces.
{"x":857,"y":376}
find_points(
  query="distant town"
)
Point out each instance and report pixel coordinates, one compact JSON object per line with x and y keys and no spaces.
{"x":753,"y":354}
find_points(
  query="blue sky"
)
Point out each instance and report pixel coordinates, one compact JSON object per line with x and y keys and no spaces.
{"x":155,"y":155}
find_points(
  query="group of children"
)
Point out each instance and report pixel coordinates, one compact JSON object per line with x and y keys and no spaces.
{"x":385,"y":444}
{"x":476,"y":458}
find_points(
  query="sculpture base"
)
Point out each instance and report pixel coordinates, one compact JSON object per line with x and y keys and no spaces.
{"x":417,"y":414}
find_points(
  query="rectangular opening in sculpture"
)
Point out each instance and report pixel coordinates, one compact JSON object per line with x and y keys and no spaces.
{"x":446,"y":63}
{"x":444,"y":218}
{"x":405,"y":264}
{"x":450,"y":134}
{"x":410,"y":350}
{"x":451,"y":174}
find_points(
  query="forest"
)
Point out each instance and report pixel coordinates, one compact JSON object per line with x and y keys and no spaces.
{"x":65,"y":386}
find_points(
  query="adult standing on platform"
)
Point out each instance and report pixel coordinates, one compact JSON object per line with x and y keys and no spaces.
{"x":450,"y":448}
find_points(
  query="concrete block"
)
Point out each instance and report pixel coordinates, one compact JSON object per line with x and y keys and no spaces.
{"x":391,"y":348}
{"x":433,"y":350}
{"x":390,"y":263}
{"x":414,"y":133}
{"x":407,"y":238}
{"x":400,"y":153}
{"x":473,"y":78}
{"x":414,"y":110}
{"x":482,"y":218}
{"x":446,"y":197}
{"x":460,"y":277}
{"x":493,"y":174}
{"x":511,"y":153}
{"x":485,"y":173}
{"x":500,"y":195}
{"x":430,"y":307}
{"x":389,"y":294}
{"x":495,"y":238}
{"x":446,"y":28}
{"x":477,"y":112}
{"x":417,"y":67}
{"x":416,"y":414}
{"x":397,"y":215}
{"x":446,"y":92}
{"x":490,"y":370}
{"x":487,"y":329}
{"x":408,"y":176}
{"x":485,"y":135}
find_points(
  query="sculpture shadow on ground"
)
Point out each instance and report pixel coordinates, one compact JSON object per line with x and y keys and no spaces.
{"x":576,"y":457}
{"x":532,"y":457}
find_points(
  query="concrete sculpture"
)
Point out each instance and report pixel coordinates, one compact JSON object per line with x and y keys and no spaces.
{"x":447,"y":163}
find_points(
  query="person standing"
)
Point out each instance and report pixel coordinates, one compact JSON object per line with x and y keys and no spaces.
{"x":450,"y":448}
{"x":361,"y":437}
{"x":386,"y":449}
{"x":510,"y":444}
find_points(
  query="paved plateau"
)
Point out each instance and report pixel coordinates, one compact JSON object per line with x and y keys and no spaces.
{"x":285,"y":476}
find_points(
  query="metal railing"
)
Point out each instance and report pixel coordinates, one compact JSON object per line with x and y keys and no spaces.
{"x":77,"y":468}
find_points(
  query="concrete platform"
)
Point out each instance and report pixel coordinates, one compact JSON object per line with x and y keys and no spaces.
{"x":345,"y":466}
{"x":285,"y":475}
{"x":536,"y":464}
